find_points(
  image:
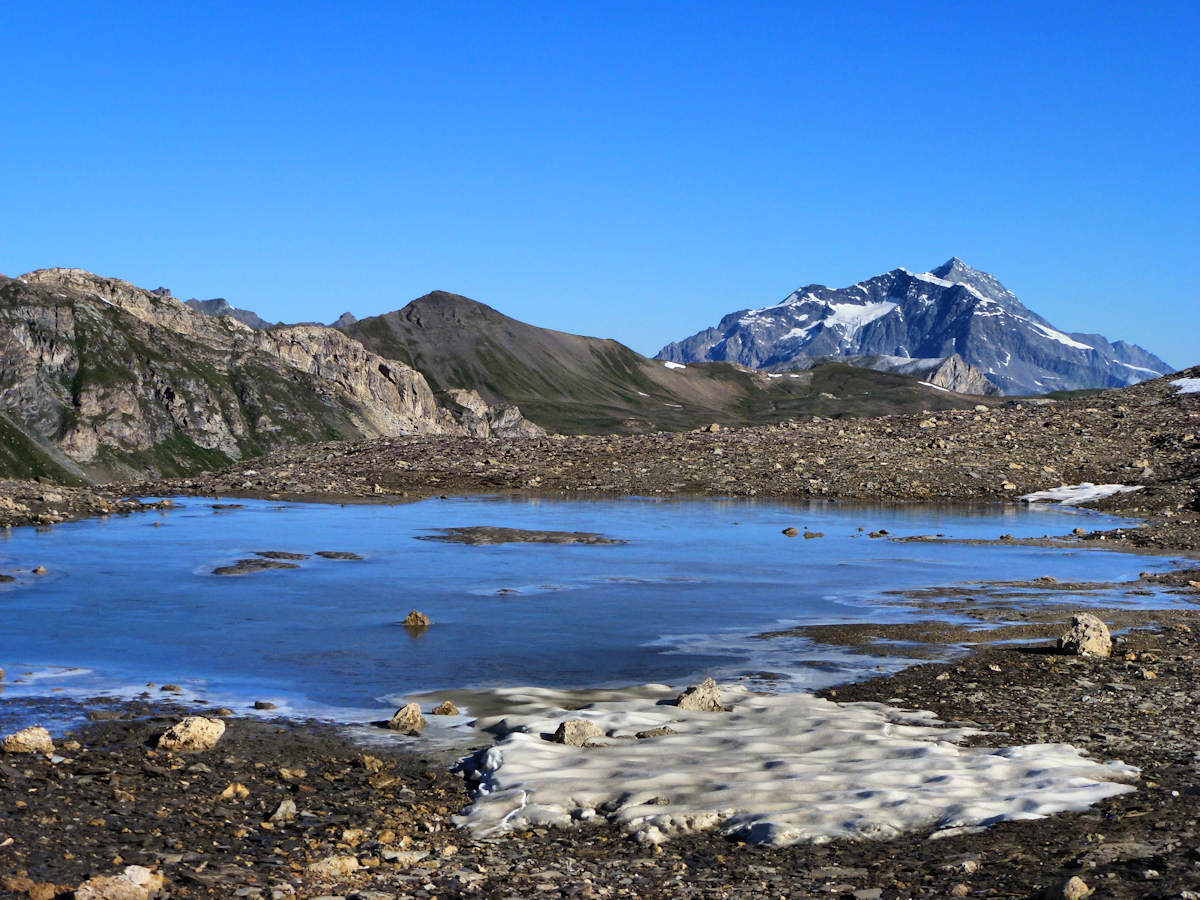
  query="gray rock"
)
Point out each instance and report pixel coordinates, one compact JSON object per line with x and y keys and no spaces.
{"x":702,"y":697}
{"x":660,"y":731}
{"x":407,"y":719}
{"x":1087,"y":636}
{"x":576,"y":732}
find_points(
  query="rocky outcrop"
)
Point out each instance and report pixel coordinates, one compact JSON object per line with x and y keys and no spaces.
{"x":484,"y":420}
{"x":955,"y":374}
{"x":222,"y":307}
{"x":114,"y":379}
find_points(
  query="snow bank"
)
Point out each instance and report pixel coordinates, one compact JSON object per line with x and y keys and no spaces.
{"x":674,"y":365}
{"x":1187,"y":385}
{"x":1076,"y":494}
{"x":778,"y":769}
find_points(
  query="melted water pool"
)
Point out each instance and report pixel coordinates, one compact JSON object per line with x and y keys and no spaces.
{"x":132,"y":600}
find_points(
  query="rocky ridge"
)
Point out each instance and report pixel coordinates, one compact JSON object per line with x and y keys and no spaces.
{"x":100,"y":378}
{"x":928,"y":317}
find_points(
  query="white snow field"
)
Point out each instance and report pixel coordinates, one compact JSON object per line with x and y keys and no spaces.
{"x":777,"y":769}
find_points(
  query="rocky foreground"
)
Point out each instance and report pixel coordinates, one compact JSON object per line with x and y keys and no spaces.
{"x":220,"y":822}
{"x":293,"y":810}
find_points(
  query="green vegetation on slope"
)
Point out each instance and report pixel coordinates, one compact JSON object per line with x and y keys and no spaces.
{"x":577,"y":385}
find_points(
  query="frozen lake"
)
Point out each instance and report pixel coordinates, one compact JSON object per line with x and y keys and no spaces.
{"x":132,"y":600}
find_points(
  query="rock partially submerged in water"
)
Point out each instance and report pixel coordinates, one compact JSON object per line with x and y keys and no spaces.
{"x":408,"y":719}
{"x":417,"y":619}
{"x":491,"y":534}
{"x":248,"y":566}
{"x":1087,"y":636}
{"x":28,"y":740}
{"x":702,"y":697}
{"x":280,"y":554}
{"x":577,"y":732}
{"x":445,"y":708}
{"x":192,"y":733}
{"x":338,"y":554}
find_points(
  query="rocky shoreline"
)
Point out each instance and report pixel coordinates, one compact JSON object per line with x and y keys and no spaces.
{"x":379,"y":825}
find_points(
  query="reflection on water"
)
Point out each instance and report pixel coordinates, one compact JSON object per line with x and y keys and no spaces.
{"x":133,"y":599}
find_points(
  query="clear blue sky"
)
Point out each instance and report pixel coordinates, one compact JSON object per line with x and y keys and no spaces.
{"x":630,"y":170}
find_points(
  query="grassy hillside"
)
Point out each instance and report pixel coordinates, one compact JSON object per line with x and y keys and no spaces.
{"x":574,"y":384}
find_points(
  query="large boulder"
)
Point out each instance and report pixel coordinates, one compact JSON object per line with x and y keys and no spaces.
{"x":577,"y":732}
{"x":703,"y":697}
{"x":28,"y":740}
{"x":1087,"y":636}
{"x":408,"y":719}
{"x":135,"y":883}
{"x":192,"y":733}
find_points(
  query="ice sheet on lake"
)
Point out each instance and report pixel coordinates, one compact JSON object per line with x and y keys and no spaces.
{"x":1076,"y":494}
{"x":779,"y":769}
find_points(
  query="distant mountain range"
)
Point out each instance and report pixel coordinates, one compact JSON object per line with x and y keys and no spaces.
{"x":905,"y":321}
{"x":101,"y":379}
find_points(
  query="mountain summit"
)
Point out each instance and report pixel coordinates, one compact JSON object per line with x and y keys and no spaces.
{"x":901,"y":317}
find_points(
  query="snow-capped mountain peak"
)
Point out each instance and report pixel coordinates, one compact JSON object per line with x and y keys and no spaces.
{"x":952,"y":309}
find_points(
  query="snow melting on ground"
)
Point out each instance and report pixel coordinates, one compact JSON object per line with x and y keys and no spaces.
{"x":777,"y":769}
{"x":674,"y":365}
{"x":1075,"y":494}
{"x":1187,"y":385}
{"x":936,"y":387}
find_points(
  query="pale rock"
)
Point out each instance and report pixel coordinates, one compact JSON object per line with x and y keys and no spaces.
{"x":445,"y":708}
{"x":28,"y":740}
{"x":408,"y":719}
{"x":333,"y":867}
{"x":192,"y":733}
{"x":1087,"y":636}
{"x":285,"y":812}
{"x":135,"y":883}
{"x":1076,"y":889}
{"x":576,"y":732}
{"x":702,"y":697}
{"x":417,"y":619}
